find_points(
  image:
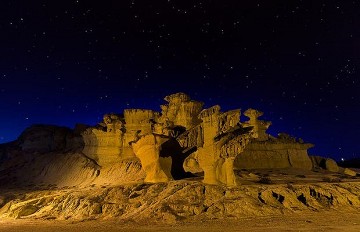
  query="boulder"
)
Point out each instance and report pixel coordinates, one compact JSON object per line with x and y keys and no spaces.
{"x":349,"y":172}
{"x":324,"y":163}
{"x":329,"y":165}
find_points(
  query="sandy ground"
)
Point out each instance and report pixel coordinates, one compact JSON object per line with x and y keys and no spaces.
{"x":319,"y":221}
{"x":327,"y":218}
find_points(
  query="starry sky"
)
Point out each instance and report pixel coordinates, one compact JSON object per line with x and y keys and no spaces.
{"x":64,"y":62}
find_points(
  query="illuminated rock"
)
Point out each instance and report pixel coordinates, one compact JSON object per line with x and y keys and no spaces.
{"x":180,"y":111}
{"x":147,"y":149}
{"x":108,"y":143}
{"x":324,"y":163}
{"x":259,"y":126}
{"x":331,"y":165}
{"x":105,"y":143}
{"x":266,"y":151}
{"x":219,"y":139}
{"x":349,"y":172}
{"x":207,"y":140}
{"x":270,"y":154}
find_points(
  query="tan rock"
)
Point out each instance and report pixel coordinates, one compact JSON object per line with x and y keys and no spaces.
{"x":181,"y":110}
{"x":222,"y":141}
{"x":317,"y":161}
{"x":105,"y":143}
{"x":331,"y":165}
{"x":349,"y":172}
{"x":214,"y":138}
{"x":267,"y":151}
{"x":259,"y":126}
{"x":272,"y":155}
{"x":147,"y":149}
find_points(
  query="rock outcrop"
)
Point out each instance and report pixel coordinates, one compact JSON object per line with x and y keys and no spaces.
{"x":180,"y":202}
{"x":49,"y":138}
{"x":212,"y":138}
{"x":182,"y":139}
{"x":324,"y":163}
{"x":223,"y":139}
{"x":147,"y":149}
{"x":274,"y":154}
{"x":259,"y":126}
{"x":215,"y":137}
{"x":267,"y":151}
{"x":348,"y":172}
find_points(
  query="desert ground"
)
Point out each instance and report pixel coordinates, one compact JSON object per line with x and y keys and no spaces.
{"x":265,"y":200}
{"x":316,"y":221}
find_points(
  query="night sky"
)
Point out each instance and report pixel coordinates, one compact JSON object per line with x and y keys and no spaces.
{"x":67,"y":62}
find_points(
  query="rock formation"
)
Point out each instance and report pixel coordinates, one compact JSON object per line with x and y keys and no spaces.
{"x":108,"y":143}
{"x":203,"y":140}
{"x":44,"y":174}
{"x":215,"y":138}
{"x":259,"y":126}
{"x":220,"y":140}
{"x":147,"y":149}
{"x":330,"y":165}
{"x":49,"y":138}
{"x":182,"y":139}
{"x":267,"y":151}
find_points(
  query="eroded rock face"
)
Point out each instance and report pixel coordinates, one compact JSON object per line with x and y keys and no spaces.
{"x":147,"y":149}
{"x":49,"y":138}
{"x":181,"y":111}
{"x":331,"y":165}
{"x":223,"y":140}
{"x":349,"y":172}
{"x":267,"y":151}
{"x":324,"y":163}
{"x":216,"y":137}
{"x":211,"y":139}
{"x":108,"y":143}
{"x":259,"y":126}
{"x":180,"y":202}
{"x":258,"y":155}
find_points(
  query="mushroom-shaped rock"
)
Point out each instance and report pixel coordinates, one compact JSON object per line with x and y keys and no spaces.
{"x":253,"y":114}
{"x":259,"y":126}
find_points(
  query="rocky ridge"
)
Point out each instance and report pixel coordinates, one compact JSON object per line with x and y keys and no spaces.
{"x":179,"y":201}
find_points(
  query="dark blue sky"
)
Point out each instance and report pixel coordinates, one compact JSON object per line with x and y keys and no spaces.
{"x":73,"y":61}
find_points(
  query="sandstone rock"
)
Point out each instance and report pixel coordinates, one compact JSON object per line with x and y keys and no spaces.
{"x":317,"y":161}
{"x":181,"y":110}
{"x":349,"y":172}
{"x":182,"y":200}
{"x":147,"y":149}
{"x":221,"y":141}
{"x":194,"y":140}
{"x":216,"y":137}
{"x":262,"y":155}
{"x":48,"y":138}
{"x":107,"y":143}
{"x":281,"y":152}
{"x":266,"y":151}
{"x":259,"y":126}
{"x":24,"y":210}
{"x":330,"y":165}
